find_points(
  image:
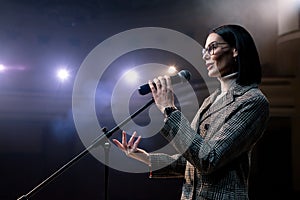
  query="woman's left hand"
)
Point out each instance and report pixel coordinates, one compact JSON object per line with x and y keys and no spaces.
{"x":131,"y":149}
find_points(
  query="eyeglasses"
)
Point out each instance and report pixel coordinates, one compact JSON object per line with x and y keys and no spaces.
{"x":212,"y":47}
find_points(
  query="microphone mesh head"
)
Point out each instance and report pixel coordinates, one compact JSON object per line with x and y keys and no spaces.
{"x":185,"y":74}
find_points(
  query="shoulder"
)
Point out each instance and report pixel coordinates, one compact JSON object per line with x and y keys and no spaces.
{"x":249,"y":92}
{"x":251,"y":95}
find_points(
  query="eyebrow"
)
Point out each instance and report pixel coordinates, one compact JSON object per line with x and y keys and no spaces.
{"x":215,"y":42}
{"x":211,"y":43}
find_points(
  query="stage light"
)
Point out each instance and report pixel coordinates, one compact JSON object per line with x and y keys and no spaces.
{"x":131,"y":76}
{"x":172,"y":69}
{"x":2,"y":68}
{"x":63,"y":74}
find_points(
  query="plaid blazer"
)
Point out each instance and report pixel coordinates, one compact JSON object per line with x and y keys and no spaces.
{"x":214,"y":150}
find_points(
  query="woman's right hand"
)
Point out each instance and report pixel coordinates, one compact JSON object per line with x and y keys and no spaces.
{"x":162,"y":92}
{"x":131,"y":149}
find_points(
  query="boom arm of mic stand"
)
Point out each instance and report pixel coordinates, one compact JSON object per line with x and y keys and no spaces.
{"x":95,"y":143}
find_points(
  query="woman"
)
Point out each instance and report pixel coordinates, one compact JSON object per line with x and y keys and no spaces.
{"x":215,"y":149}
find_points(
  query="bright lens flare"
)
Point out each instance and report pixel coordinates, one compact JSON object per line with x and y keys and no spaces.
{"x":63,"y":74}
{"x":172,"y":70}
{"x":131,"y":76}
{"x":2,"y":68}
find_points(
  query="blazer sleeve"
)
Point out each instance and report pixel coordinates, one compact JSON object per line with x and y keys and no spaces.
{"x":166,"y":166}
{"x":236,"y":135}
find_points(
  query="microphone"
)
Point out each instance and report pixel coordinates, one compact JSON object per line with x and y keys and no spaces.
{"x":182,"y":77}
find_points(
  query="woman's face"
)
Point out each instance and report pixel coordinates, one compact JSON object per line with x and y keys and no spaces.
{"x":219,"y":56}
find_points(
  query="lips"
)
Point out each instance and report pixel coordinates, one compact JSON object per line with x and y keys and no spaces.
{"x":209,"y":65}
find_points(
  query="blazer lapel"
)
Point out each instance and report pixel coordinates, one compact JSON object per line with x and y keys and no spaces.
{"x":222,"y":102}
{"x":237,"y":90}
{"x":208,"y":101}
{"x":207,"y":109}
{"x":204,"y":107}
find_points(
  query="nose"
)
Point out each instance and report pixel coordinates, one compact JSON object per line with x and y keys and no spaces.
{"x":205,"y":55}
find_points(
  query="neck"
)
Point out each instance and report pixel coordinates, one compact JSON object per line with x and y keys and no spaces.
{"x":227,"y":81}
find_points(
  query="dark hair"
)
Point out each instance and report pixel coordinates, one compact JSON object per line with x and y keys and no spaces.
{"x":249,"y":68}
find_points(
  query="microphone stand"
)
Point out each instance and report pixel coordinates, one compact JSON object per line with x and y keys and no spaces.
{"x":102,"y":139}
{"x":106,"y":147}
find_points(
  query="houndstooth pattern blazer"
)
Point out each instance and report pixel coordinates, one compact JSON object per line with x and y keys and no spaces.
{"x":214,"y":150}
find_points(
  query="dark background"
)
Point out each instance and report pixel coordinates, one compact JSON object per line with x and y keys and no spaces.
{"x":37,"y":131}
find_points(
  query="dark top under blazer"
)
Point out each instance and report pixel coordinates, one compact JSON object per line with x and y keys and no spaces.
{"x":214,"y":150}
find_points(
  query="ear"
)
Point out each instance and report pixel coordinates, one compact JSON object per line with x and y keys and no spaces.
{"x":235,"y":52}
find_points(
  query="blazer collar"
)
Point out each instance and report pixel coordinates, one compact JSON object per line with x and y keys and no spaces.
{"x":207,"y":108}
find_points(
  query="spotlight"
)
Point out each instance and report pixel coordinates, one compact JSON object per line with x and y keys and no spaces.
{"x":131,"y":76}
{"x":172,"y":69}
{"x":63,"y":74}
{"x":2,"y":68}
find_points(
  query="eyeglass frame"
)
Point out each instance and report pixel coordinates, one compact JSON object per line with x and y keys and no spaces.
{"x":211,"y":48}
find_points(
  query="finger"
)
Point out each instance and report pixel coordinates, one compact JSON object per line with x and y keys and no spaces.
{"x":163,"y":83}
{"x":130,"y":142}
{"x":136,"y":143}
{"x":124,"y":139}
{"x":157,"y":82}
{"x":119,"y":145}
{"x":151,"y":85}
{"x":168,"y":82}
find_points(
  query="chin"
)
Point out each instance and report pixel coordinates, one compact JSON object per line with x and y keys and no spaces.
{"x":213,"y":74}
